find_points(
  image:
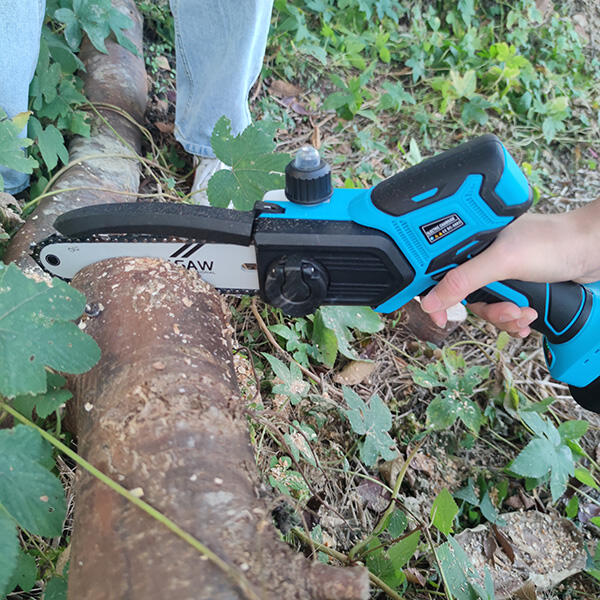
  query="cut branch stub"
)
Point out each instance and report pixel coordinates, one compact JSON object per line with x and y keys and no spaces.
{"x":161,"y":413}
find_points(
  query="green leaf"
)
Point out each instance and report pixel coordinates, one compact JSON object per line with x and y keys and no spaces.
{"x":325,"y":341}
{"x":488,"y":510}
{"x":583,"y":475}
{"x":573,"y":430}
{"x":547,"y":452}
{"x":459,"y":572}
{"x":572,"y":507}
{"x":11,"y":145}
{"x":535,"y":460}
{"x":28,"y":491}
{"x":9,"y":543}
{"x":397,"y":523}
{"x":56,"y":589}
{"x":442,"y":412}
{"x":255,"y":168}
{"x":468,"y":493}
{"x":47,"y":403}
{"x":464,"y":85}
{"x":293,"y":384}
{"x":401,"y":552}
{"x":36,"y":332}
{"x":51,"y":144}
{"x":443,"y":511}
{"x":340,"y":319}
{"x":25,"y":573}
{"x":373,"y":421}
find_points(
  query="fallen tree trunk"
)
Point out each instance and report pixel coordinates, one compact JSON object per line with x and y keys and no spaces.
{"x":161,"y":413}
{"x":117,"y":78}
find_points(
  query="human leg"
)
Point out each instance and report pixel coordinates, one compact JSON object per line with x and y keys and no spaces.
{"x":20,"y":25}
{"x":220,"y":48}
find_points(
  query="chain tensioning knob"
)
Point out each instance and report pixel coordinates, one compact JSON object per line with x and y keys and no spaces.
{"x":296,"y":285}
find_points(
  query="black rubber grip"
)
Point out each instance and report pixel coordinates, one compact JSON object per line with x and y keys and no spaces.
{"x":563,"y":308}
{"x":445,"y":173}
{"x":588,"y":396}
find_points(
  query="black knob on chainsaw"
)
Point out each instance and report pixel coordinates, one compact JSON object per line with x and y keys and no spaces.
{"x":296,"y":285}
{"x":308,"y":178}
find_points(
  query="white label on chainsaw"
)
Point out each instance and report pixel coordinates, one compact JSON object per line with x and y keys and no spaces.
{"x":224,"y":266}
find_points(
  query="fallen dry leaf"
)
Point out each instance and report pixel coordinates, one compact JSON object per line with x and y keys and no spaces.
{"x":164,"y":127}
{"x":163,"y":63}
{"x":284,"y":89}
{"x":414,"y":576}
{"x":355,"y":372}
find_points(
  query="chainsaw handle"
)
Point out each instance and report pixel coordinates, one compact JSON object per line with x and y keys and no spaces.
{"x":569,"y":318}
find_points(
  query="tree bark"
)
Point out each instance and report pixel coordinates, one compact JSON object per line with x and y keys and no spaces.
{"x":117,"y":78}
{"x":161,"y":413}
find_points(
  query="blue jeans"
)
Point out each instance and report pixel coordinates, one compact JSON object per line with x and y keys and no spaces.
{"x":220,"y":46}
{"x":20,"y":25}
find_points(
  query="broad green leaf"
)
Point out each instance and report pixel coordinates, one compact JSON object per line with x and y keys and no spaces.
{"x":468,"y":493}
{"x":56,"y":589}
{"x":397,"y":523}
{"x":572,"y":507}
{"x":28,"y":491}
{"x":442,"y":412}
{"x":459,"y":573}
{"x":340,"y":320}
{"x":9,"y":550}
{"x":470,"y":414}
{"x":255,"y":168}
{"x":379,"y":563}
{"x":401,"y":552}
{"x":12,"y":154}
{"x":98,"y":19}
{"x":373,"y":421}
{"x":573,"y":430}
{"x":464,"y":85}
{"x":51,"y":144}
{"x":47,"y":403}
{"x":293,"y":384}
{"x":488,"y":510}
{"x":25,"y":573}
{"x":35,"y":332}
{"x":443,"y":511}
{"x":583,"y":475}
{"x":535,"y":460}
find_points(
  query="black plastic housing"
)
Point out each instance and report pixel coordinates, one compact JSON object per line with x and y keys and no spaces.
{"x":363,"y":266}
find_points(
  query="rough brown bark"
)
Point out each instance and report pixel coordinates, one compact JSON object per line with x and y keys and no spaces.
{"x":161,"y":412}
{"x":117,"y":78}
{"x":422,"y":327}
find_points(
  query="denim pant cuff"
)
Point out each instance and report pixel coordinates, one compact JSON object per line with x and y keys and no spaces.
{"x":201,"y":150}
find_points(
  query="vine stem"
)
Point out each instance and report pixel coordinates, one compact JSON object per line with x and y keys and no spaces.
{"x":388,"y":511}
{"x":237,"y":577}
{"x":345,"y":560}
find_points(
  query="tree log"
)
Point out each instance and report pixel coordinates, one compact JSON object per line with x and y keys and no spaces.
{"x":117,"y":78}
{"x":161,"y":413}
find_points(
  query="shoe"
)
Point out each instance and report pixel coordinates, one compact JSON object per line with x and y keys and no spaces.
{"x":205,"y":169}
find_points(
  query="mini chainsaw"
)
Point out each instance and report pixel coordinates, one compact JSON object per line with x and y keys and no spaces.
{"x":310,"y":245}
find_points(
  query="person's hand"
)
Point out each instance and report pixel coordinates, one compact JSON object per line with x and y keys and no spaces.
{"x":541,"y":248}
